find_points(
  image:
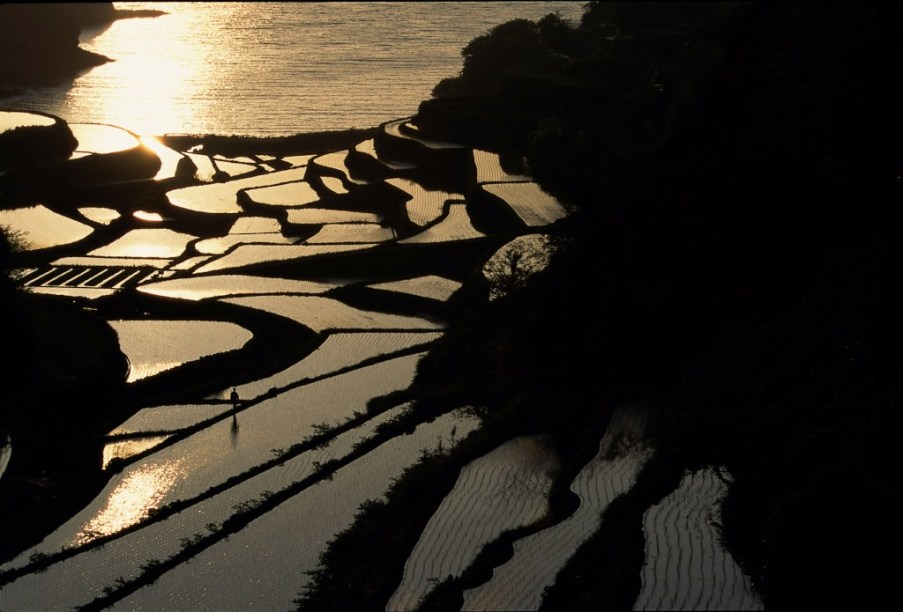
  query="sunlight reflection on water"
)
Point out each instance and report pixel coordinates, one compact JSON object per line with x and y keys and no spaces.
{"x":133,"y":499}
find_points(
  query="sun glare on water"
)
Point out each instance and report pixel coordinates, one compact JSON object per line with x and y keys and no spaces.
{"x":133,"y":499}
{"x":166,"y":80}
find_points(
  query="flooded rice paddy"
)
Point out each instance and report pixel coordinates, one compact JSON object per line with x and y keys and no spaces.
{"x":212,"y":505}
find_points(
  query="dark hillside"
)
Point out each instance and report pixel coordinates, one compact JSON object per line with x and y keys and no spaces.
{"x":739,"y":179}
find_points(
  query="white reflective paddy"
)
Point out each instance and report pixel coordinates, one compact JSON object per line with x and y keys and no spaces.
{"x":425,"y":206}
{"x":319,"y":216}
{"x":222,"y":285}
{"x":11,"y":120}
{"x":151,"y":243}
{"x":321,"y":314}
{"x":153,"y":347}
{"x":503,"y":490}
{"x":430,"y":286}
{"x":339,"y":351}
{"x":100,"y":138}
{"x":344,"y":233}
{"x":530,"y":202}
{"x":254,"y":254}
{"x":489,"y":168}
{"x":227,"y":575}
{"x":456,"y":225}
{"x":191,"y":466}
{"x":80,"y":579}
{"x":222,"y":197}
{"x":38,"y":227}
{"x":288,"y":194}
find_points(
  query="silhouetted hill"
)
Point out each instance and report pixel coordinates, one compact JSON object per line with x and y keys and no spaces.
{"x":735,"y":257}
{"x":39,"y":42}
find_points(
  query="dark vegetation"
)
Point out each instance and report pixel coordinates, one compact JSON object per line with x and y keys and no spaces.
{"x":738,"y":175}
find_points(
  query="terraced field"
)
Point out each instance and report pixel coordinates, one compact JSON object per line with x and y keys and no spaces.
{"x":214,"y":505}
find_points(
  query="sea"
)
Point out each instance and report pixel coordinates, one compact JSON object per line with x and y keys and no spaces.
{"x":272,"y":68}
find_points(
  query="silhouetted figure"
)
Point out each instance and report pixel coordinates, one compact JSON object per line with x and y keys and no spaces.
{"x":234,"y":397}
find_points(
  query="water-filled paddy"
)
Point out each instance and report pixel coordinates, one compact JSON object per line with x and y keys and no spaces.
{"x":153,"y":347}
{"x":228,"y":575}
{"x":99,"y":138}
{"x":150,"y":243}
{"x":222,"y":197}
{"x":11,"y":120}
{"x":222,"y":285}
{"x":534,"y":206}
{"x":503,"y":490}
{"x":38,"y":227}
{"x":431,"y":286}
{"x":322,"y":314}
{"x":456,"y":225}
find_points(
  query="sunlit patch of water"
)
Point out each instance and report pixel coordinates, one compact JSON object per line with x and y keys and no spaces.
{"x":156,"y":346}
{"x":90,"y":293}
{"x":122,"y":262}
{"x":150,"y":243}
{"x":222,"y":197}
{"x":135,"y":497}
{"x":342,"y":233}
{"x":288,"y":194}
{"x":298,"y":160}
{"x":255,"y":225}
{"x":149,"y":217}
{"x":320,"y":216}
{"x":221,"y":285}
{"x":425,"y":206}
{"x":123,"y":449}
{"x":334,"y":184}
{"x":204,"y":168}
{"x":38,"y":227}
{"x":169,"y":418}
{"x":251,"y":254}
{"x":11,"y":120}
{"x":99,"y":138}
{"x":338,"y":351}
{"x":432,"y":287}
{"x":169,"y":159}
{"x":234,"y":169}
{"x":218,"y":246}
{"x":104,"y":216}
{"x":189,"y":263}
{"x":336,"y":161}
{"x":321,"y":314}
{"x":259,"y":567}
{"x":455,"y":226}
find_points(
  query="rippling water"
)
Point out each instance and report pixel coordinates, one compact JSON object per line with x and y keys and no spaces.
{"x":273,"y":68}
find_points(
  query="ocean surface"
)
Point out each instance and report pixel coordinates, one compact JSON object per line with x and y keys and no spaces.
{"x":273,"y":68}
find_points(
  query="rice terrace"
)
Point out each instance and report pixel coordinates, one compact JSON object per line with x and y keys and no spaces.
{"x":595,"y":328}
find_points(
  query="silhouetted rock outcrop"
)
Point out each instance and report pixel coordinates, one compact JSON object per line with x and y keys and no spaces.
{"x":39,"y":43}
